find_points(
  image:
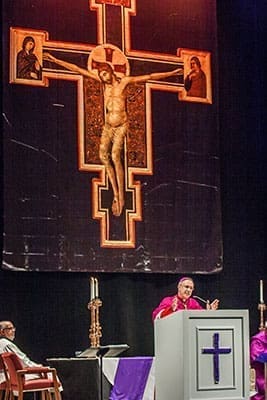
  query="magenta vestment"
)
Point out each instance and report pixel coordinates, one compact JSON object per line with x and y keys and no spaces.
{"x":166,"y":303}
{"x":258,"y":345}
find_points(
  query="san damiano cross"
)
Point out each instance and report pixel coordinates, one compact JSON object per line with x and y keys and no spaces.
{"x":114,"y":107}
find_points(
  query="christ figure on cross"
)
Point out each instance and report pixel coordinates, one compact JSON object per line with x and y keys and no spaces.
{"x":116,"y":120}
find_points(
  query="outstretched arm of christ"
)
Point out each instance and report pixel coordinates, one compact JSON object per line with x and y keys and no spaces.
{"x":70,"y":66}
{"x":155,"y":76}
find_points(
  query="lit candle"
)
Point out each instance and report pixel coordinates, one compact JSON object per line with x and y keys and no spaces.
{"x":96,"y":287}
{"x":92,"y":288}
{"x":261,"y":292}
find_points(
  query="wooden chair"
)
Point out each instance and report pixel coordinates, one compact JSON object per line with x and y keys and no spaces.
{"x":5,"y":393}
{"x":30,"y":379}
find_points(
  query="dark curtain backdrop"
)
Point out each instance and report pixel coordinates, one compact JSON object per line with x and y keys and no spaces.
{"x":50,"y":309}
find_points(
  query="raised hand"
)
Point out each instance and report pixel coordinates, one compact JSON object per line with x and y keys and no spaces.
{"x":214,"y":305}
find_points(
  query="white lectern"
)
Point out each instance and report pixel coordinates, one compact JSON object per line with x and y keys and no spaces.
{"x":202,"y":355}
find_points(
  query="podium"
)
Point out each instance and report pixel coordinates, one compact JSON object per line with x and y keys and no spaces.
{"x":202,"y":355}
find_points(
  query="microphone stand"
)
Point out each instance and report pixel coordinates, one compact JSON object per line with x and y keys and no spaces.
{"x":207,"y":302}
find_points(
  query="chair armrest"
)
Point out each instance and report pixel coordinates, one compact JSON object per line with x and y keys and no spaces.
{"x":35,"y":370}
{"x":43,"y":374}
{"x":41,"y":371}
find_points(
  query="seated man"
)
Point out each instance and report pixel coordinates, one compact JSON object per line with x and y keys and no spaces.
{"x":258,"y":346}
{"x":181,"y":301}
{"x":7,"y":335}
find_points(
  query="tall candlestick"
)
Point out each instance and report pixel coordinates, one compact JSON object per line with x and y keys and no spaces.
{"x":261,"y":292}
{"x":92,"y":288}
{"x":96,"y":287}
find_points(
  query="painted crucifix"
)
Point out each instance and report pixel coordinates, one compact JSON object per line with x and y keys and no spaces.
{"x":114,"y":109}
{"x":115,"y":127}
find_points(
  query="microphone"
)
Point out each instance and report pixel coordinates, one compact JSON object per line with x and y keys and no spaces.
{"x":200,"y":298}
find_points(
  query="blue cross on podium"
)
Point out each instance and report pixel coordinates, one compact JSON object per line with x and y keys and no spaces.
{"x":216,"y":351}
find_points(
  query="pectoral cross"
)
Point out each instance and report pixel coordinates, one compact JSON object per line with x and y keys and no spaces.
{"x":113,"y":48}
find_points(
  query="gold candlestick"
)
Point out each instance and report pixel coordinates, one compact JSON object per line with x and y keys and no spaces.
{"x":262,"y":309}
{"x":95,"y":331}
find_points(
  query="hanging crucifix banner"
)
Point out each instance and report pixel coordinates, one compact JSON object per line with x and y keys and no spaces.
{"x":111,"y":159}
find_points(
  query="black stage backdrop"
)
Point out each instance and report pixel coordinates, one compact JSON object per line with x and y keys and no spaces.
{"x":50,"y":308}
{"x":55,"y":218}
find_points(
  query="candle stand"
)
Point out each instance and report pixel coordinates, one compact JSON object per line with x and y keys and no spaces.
{"x":95,"y":331}
{"x":262,"y":309}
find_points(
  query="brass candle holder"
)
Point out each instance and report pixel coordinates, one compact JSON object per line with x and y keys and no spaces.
{"x":95,"y":331}
{"x":262,"y":309}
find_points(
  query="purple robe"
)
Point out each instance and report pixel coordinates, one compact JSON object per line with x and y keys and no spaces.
{"x":258,"y":346}
{"x":166,"y":303}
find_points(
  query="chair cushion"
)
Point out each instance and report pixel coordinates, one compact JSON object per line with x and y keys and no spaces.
{"x":33,"y":384}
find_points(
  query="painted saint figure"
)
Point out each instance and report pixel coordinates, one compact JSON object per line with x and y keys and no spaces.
{"x":116,"y":119}
{"x":195,"y":81}
{"x":28,"y":66}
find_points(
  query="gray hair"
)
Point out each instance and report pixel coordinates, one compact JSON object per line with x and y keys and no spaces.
{"x":3,"y":324}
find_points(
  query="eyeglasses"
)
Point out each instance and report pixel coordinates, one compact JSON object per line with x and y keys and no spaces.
{"x":9,"y":328}
{"x":188,"y":287}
